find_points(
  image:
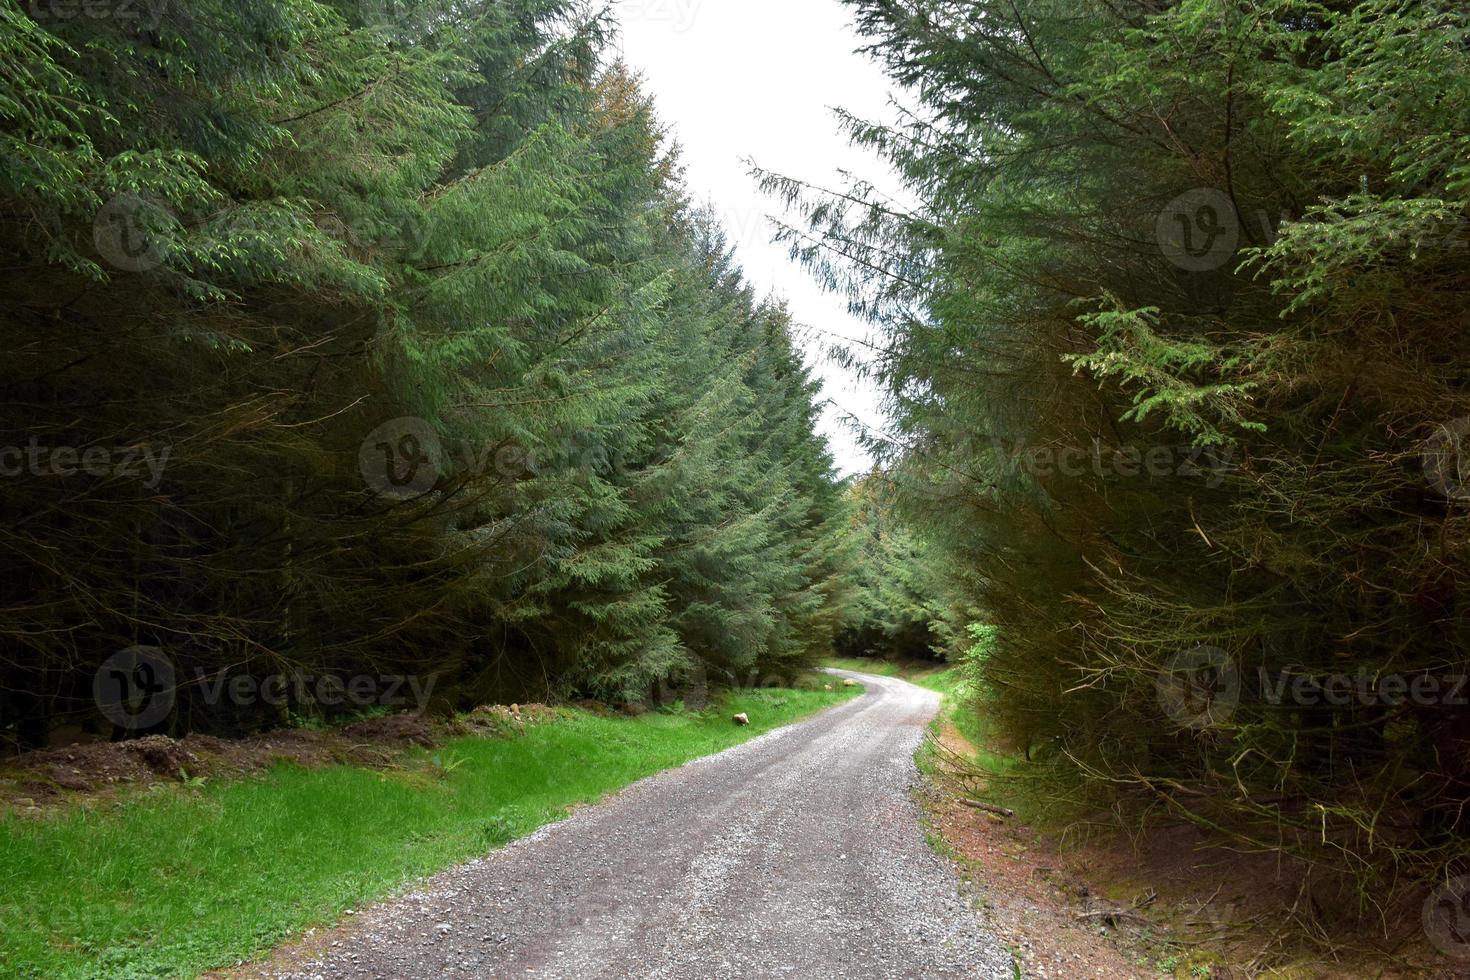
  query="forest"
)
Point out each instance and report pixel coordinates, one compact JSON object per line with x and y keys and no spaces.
{"x":383,"y":338}
{"x":1174,"y":353}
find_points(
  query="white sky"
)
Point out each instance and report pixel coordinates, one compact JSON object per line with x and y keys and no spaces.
{"x":757,"y":79}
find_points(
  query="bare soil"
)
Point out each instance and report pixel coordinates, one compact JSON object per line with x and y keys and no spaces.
{"x":1172,"y":904}
{"x":36,"y":782}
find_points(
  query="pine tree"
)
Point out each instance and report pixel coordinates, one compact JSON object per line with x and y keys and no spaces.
{"x":1225,"y":233}
{"x":441,"y":374}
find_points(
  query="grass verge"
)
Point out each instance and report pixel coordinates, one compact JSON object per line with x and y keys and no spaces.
{"x":199,"y":877}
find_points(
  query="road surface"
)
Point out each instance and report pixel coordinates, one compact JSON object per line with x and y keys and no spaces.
{"x":796,"y":854}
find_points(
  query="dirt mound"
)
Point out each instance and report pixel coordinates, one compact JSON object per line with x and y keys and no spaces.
{"x":34,"y":780}
{"x":52,"y":774}
{"x":394,"y":729}
{"x":78,"y":768}
{"x":161,"y":754}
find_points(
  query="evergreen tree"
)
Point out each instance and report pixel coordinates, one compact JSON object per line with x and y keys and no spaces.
{"x":438,"y":371}
{"x":1228,"y":235}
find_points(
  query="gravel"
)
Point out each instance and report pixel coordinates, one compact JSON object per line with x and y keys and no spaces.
{"x":797,"y":854}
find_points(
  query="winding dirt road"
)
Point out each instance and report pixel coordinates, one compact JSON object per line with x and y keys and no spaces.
{"x":797,"y":854}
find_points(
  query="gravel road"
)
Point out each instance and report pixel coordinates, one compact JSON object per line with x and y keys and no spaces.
{"x":798,"y":854}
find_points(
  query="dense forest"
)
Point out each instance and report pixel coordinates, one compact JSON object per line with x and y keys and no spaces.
{"x":379,"y":340}
{"x":1174,"y":346}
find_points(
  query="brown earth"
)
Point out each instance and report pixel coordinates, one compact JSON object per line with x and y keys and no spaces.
{"x":34,"y":782}
{"x":1173,"y":903}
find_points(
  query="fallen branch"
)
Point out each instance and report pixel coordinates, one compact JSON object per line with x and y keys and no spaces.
{"x":988,"y":807}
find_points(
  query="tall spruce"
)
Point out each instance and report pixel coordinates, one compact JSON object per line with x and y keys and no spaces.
{"x":1230,"y":235}
{"x":439,"y":372}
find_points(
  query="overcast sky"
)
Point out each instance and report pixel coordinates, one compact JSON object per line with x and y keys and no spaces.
{"x":757,"y":79}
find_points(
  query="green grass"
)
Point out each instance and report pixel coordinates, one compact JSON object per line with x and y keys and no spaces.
{"x":945,"y":681}
{"x":186,"y":879}
{"x":921,"y":672}
{"x":883,"y":668}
